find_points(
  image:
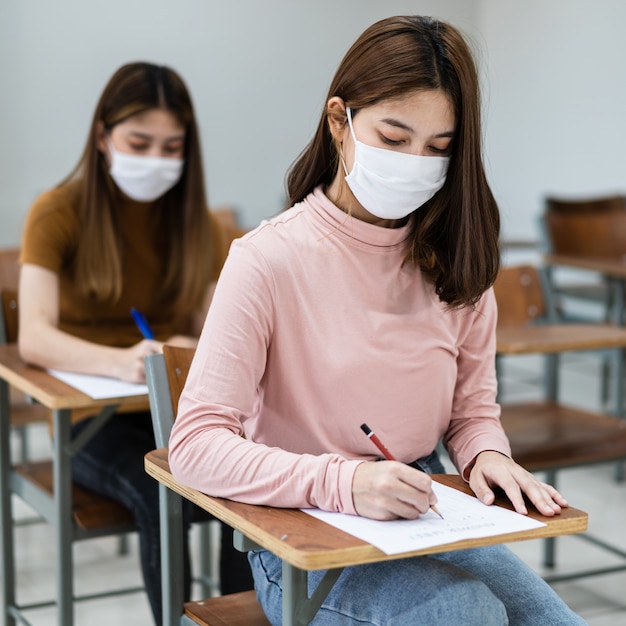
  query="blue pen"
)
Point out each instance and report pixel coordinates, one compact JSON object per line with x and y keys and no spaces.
{"x":142,"y":324}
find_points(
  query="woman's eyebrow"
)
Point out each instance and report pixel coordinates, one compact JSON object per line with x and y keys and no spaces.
{"x":140,"y":135}
{"x":398,"y":124}
{"x":148,"y":137}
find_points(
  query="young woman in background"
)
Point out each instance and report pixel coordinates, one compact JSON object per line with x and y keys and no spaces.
{"x":128,"y":228}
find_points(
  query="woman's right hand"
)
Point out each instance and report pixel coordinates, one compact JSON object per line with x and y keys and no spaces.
{"x":130,"y":366}
{"x":386,"y":490}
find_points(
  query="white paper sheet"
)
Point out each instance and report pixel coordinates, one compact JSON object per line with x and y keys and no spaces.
{"x":465,"y":517}
{"x":100,"y":387}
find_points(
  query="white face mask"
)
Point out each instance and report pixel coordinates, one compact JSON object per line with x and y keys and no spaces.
{"x":144,"y":178}
{"x":391,"y":184}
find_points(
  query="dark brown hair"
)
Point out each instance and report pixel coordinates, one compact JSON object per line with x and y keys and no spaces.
{"x":454,"y":236}
{"x":181,"y":215}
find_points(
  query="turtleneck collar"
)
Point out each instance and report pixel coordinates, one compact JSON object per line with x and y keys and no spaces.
{"x":344,"y":225}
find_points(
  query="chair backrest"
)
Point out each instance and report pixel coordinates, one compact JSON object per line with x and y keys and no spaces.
{"x":229,"y":224}
{"x":520,"y":296}
{"x":166,"y":374}
{"x":9,"y":278}
{"x":586,"y":227}
{"x":9,"y":267}
{"x":8,"y":316}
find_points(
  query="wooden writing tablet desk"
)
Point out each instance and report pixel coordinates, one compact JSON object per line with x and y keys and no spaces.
{"x":610,"y":267}
{"x":305,"y":543}
{"x":66,"y":404}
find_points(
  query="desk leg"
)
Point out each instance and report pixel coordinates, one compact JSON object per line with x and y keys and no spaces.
{"x":298,"y":608}
{"x":616,"y":288}
{"x":294,"y":592}
{"x":618,"y":295}
{"x":617,"y":292}
{"x":171,"y":521}
{"x":63,"y":521}
{"x":618,"y":392}
{"x":6,"y":512}
{"x":618,"y":382}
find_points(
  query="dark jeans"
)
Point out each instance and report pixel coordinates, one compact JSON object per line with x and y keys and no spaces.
{"x":431,"y":464}
{"x":112,"y":464}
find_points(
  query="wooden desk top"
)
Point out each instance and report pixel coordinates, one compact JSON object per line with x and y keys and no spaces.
{"x":52,"y":392}
{"x":558,"y":338}
{"x":310,"y":544}
{"x":612,"y":267}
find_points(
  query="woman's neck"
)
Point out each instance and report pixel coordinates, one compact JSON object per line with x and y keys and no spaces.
{"x":342,"y":197}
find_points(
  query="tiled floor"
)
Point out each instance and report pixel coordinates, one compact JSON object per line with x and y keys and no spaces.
{"x":600,"y":600}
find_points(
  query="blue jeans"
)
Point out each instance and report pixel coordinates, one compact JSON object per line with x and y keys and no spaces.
{"x":479,"y":587}
{"x":112,"y":464}
{"x":482,"y":586}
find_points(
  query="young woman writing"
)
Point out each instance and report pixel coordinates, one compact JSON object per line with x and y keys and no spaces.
{"x":128,"y":228}
{"x":369,"y":300}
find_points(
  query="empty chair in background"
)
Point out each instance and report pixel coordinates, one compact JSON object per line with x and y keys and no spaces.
{"x":551,"y":434}
{"x":583,"y":229}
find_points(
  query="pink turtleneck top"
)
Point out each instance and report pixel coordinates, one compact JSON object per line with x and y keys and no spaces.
{"x":316,"y":327}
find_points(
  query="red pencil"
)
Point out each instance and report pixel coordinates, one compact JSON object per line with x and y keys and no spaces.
{"x":377,"y":442}
{"x":381,"y":446}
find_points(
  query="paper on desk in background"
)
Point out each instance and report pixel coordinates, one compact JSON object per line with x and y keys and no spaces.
{"x":100,"y":387}
{"x":465,"y":517}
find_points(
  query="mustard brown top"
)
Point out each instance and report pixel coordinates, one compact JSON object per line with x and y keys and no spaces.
{"x":50,"y":239}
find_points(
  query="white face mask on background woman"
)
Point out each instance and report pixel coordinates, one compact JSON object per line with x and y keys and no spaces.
{"x":390,"y":184}
{"x":144,"y":178}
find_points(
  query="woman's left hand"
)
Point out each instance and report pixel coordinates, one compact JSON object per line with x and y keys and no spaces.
{"x":492,"y":469}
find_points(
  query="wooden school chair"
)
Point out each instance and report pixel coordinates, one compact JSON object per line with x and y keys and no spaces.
{"x":587,"y":239}
{"x":166,"y":375}
{"x":91,"y":512}
{"x":73,"y":513}
{"x":24,"y":412}
{"x":591,"y":228}
{"x":230,"y":228}
{"x":550,"y":435}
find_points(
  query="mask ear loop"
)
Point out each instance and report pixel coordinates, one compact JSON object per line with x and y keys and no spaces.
{"x":112,"y":151}
{"x":343,"y":163}
{"x":345,"y":169}
{"x":349,"y":116}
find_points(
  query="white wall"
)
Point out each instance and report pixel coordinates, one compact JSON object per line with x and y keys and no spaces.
{"x":556,"y":89}
{"x":258,"y":73}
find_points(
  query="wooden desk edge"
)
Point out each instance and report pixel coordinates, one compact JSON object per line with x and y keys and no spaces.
{"x":558,"y":338}
{"x":52,"y":392}
{"x":612,"y":267}
{"x":310,"y":544}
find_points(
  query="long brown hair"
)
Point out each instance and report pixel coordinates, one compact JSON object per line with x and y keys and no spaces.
{"x":181,"y":215}
{"x":454,"y":236}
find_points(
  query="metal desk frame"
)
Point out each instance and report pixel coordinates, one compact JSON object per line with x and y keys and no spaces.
{"x":56,"y":510}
